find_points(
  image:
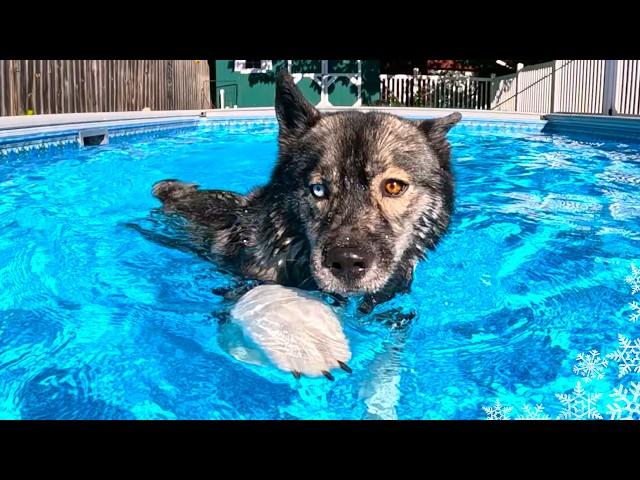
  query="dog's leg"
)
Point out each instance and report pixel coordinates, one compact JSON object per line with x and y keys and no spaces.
{"x":172,"y":189}
{"x":294,"y":329}
{"x":233,"y":293}
{"x":177,"y":243}
{"x":215,"y":209}
{"x":382,"y":391}
{"x":396,"y":319}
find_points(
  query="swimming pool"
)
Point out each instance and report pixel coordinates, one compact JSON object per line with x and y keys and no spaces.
{"x":98,"y":323}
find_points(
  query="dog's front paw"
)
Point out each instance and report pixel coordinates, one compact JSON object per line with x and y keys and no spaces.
{"x":296,"y":331}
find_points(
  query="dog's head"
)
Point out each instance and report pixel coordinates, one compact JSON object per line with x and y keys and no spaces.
{"x":371,"y":190}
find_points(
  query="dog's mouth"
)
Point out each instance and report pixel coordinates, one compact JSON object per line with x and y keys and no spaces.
{"x":347,"y":291}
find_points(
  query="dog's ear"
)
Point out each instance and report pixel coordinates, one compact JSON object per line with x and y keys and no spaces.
{"x":295,"y":114}
{"x":436,"y":129}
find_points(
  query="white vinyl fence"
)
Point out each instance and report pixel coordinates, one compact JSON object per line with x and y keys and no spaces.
{"x":528,"y":90}
{"x":610,"y":87}
{"x":579,"y":86}
{"x":436,"y":91}
{"x":627,"y":99}
{"x":575,"y":86}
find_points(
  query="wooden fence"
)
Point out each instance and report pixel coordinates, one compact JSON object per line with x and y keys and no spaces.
{"x":74,"y":86}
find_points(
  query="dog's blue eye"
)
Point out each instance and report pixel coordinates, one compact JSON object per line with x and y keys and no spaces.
{"x":318,"y":190}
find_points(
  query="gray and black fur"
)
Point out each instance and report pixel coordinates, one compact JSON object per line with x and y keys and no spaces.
{"x":356,"y":239}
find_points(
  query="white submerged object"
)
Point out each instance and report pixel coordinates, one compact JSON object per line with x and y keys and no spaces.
{"x":298,"y":332}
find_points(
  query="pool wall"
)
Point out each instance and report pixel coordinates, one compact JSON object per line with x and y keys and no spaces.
{"x":600,"y":125}
{"x":37,"y":131}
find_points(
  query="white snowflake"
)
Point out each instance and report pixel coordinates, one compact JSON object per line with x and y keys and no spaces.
{"x":634,"y":279}
{"x":590,"y":365}
{"x":627,"y":355}
{"x":533,"y":413}
{"x":498,"y":411}
{"x":580,"y":405}
{"x":636,"y":308}
{"x":627,"y":403}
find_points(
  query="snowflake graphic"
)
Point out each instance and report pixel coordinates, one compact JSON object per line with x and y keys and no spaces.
{"x":580,"y":405}
{"x":627,"y":403}
{"x":498,"y":411}
{"x":636,"y":308}
{"x":627,"y":356}
{"x":533,"y":413}
{"x":590,"y":365}
{"x":634,"y":279}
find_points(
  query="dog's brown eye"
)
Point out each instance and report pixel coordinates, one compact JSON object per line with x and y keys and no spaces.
{"x":394,"y":188}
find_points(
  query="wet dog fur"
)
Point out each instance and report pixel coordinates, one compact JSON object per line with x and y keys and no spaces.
{"x":329,"y":202}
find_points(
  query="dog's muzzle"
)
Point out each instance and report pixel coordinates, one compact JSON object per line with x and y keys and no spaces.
{"x":348,"y":264}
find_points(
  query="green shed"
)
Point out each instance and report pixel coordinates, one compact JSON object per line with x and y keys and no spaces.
{"x":325,"y":83}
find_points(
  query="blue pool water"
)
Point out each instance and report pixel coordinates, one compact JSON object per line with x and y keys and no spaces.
{"x":98,"y":323}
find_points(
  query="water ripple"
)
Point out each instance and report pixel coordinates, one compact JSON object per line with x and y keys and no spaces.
{"x":97,"y":322}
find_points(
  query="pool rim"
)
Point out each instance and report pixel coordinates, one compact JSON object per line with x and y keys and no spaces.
{"x":27,"y":132}
{"x":48,"y":130}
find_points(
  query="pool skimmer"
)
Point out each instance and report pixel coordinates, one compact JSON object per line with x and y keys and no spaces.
{"x":93,"y":137}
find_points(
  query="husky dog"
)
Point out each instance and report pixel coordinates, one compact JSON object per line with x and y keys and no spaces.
{"x":355,"y":200}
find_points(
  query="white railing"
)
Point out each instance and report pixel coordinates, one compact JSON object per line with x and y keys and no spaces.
{"x":610,"y":87}
{"x":436,"y":91}
{"x":528,"y":90}
{"x":627,"y":100}
{"x":503,"y":93}
{"x":575,"y":86}
{"x":579,"y":86}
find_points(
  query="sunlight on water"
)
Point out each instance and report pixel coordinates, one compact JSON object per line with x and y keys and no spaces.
{"x":97,"y":322}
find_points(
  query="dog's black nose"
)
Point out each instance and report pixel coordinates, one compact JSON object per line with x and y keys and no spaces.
{"x":347,"y":263}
